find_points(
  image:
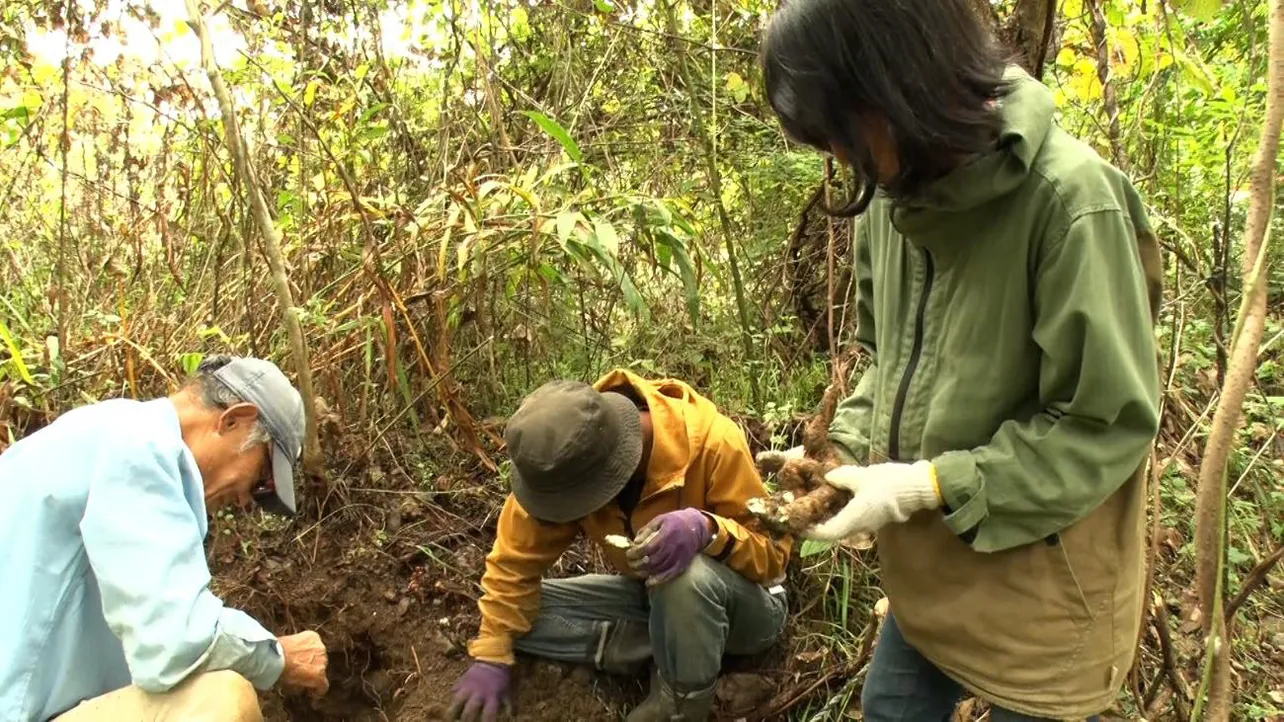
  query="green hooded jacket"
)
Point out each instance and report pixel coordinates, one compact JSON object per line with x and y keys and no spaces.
{"x":1010,"y":324}
{"x":1008,"y":318}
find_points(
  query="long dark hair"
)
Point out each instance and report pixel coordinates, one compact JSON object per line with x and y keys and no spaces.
{"x":928,"y":66}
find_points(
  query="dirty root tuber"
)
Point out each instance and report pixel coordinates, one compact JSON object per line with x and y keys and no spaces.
{"x":803,"y":498}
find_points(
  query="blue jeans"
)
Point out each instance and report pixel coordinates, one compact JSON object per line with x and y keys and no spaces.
{"x":902,"y":686}
{"x":617,"y":624}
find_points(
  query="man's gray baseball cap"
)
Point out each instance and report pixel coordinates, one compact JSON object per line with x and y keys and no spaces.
{"x":280,"y":408}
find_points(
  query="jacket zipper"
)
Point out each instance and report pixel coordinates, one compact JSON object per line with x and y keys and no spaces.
{"x":894,"y":443}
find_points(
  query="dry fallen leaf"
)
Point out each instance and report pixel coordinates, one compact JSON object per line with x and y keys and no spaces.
{"x":1191,"y":617}
{"x":809,"y":657}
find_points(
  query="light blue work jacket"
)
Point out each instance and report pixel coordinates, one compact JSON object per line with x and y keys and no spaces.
{"x":102,"y":566}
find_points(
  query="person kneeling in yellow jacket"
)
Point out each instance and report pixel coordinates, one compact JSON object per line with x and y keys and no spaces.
{"x":655,"y":462}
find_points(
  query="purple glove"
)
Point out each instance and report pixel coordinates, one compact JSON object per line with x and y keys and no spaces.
{"x":667,"y":545}
{"x":479,"y":693}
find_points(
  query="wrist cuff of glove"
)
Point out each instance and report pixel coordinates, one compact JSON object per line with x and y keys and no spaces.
{"x":936,"y":483}
{"x":927,"y":494}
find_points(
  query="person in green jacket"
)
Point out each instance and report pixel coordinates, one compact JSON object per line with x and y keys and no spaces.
{"x":1008,"y":284}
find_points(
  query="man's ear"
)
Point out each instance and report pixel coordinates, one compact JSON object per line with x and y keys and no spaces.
{"x":235,"y":417}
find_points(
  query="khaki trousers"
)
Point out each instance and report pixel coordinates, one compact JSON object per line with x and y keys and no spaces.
{"x":223,"y":696}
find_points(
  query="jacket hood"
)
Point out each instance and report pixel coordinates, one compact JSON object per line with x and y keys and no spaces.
{"x":680,"y":419}
{"x":1027,"y":115}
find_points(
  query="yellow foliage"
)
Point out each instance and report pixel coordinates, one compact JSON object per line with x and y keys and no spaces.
{"x":44,"y":73}
{"x":1126,"y":50}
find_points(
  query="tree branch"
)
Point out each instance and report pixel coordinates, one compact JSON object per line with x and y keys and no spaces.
{"x":1210,"y":519}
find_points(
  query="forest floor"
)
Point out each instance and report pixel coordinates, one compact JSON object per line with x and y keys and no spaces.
{"x":387,"y":571}
{"x":386,"y":568}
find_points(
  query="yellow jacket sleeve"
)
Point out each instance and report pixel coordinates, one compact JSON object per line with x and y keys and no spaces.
{"x":733,"y":480}
{"x":524,"y":548}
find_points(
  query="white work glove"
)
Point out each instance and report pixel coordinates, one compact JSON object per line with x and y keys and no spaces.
{"x":881,"y":494}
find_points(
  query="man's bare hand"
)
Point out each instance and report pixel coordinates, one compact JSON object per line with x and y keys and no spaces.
{"x":305,"y":661}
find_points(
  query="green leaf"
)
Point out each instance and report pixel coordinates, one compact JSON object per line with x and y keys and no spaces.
{"x":519,"y":23}
{"x":566,"y":223}
{"x":1238,"y":557}
{"x":208,"y":331}
{"x":686,"y":271}
{"x":15,"y":355}
{"x":631,"y":295}
{"x":632,"y":298}
{"x":664,"y":256}
{"x":549,"y":273}
{"x":550,"y":126}
{"x":374,"y":132}
{"x":1204,"y":10}
{"x":189,"y":362}
{"x":604,"y":6}
{"x":811,"y":547}
{"x":604,"y":235}
{"x":370,"y":112}
{"x":54,"y":353}
{"x":1196,"y":71}
{"x":737,"y":87}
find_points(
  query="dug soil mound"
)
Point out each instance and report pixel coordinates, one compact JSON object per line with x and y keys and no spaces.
{"x":386,"y":568}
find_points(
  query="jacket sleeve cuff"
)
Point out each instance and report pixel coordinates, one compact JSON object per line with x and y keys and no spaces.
{"x":845,"y":457}
{"x":962,"y":490}
{"x":850,"y":448}
{"x":720,"y":546}
{"x":242,"y":644}
{"x":497,"y":650}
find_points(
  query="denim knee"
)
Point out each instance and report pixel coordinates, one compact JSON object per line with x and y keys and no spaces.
{"x":692,"y":590}
{"x":903,"y":686}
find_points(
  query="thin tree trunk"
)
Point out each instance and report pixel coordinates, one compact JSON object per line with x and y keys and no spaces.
{"x":1029,"y":31}
{"x":312,"y":462}
{"x":59,"y":295}
{"x":1110,"y":99}
{"x":1210,"y":520}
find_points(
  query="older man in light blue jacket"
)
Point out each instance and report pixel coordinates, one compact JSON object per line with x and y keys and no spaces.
{"x":106,"y":590}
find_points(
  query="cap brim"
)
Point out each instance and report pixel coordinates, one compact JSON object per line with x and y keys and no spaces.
{"x":280,"y":499}
{"x":566,"y":505}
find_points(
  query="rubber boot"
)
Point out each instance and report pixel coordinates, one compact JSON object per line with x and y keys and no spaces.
{"x":663,"y":704}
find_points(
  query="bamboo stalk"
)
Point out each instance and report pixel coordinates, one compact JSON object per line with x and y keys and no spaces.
{"x":312,"y":462}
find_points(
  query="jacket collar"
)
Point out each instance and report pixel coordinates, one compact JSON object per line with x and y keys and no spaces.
{"x":672,"y":443}
{"x":1027,"y":114}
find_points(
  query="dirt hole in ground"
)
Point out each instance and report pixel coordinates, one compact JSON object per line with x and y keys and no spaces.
{"x":396,"y":605}
{"x":358,"y":684}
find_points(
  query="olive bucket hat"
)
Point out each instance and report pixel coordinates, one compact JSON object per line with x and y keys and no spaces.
{"x":573,"y":449}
